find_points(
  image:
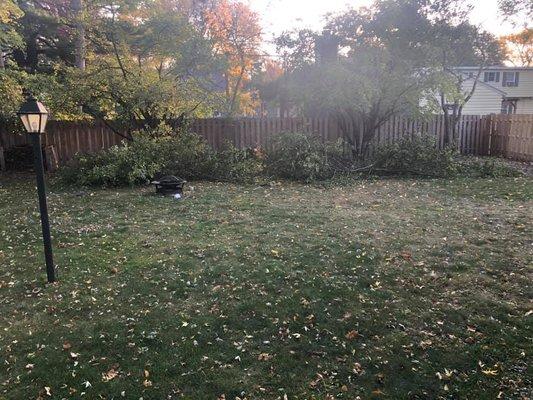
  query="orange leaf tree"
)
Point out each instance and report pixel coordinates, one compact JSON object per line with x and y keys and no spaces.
{"x":518,"y":47}
{"x":236,"y":34}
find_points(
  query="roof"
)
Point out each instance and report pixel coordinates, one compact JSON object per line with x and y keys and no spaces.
{"x":479,"y":82}
{"x":496,"y":67}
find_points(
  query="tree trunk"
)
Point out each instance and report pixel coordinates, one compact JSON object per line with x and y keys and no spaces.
{"x":79,"y":44}
{"x":32,"y":58}
{"x":447,"y":130}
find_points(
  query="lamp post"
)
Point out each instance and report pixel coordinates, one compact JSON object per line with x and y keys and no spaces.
{"x":34,"y":117}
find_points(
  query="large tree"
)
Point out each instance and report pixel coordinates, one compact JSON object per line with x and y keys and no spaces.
{"x":235,"y":32}
{"x":428,"y":38}
{"x":454,"y":46}
{"x":46,"y":34}
{"x":137,"y":64}
{"x":149,"y":67}
{"x":362,"y":90}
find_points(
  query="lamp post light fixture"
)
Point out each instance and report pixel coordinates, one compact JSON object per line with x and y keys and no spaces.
{"x":34,"y":116}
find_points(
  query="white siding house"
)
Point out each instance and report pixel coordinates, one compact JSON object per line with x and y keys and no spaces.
{"x":524,"y":106}
{"x":485,"y":100}
{"x":505,"y":90}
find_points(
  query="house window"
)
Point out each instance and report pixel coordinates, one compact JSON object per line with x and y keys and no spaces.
{"x":508,"y":106}
{"x":491,"y":77}
{"x":510,"y":78}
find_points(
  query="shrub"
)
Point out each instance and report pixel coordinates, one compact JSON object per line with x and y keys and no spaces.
{"x":486,"y":168}
{"x":293,"y":156}
{"x":417,"y":155}
{"x":129,"y":164}
{"x":302,"y":157}
{"x":236,"y":165}
{"x":186,"y":155}
{"x":138,"y":161}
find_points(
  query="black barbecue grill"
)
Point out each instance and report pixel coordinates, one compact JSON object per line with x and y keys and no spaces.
{"x":169,"y":185}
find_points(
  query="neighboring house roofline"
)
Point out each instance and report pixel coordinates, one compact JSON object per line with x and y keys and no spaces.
{"x":496,"y":67}
{"x":480,"y":82}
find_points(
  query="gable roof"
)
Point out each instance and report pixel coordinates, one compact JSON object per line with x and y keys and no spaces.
{"x":480,"y":82}
{"x":495,"y":67}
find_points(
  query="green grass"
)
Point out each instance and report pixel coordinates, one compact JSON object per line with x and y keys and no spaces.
{"x":252,"y":292}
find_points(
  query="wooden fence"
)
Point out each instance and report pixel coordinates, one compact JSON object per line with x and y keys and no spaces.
{"x":501,"y":135}
{"x":511,"y":136}
{"x":256,"y":132}
{"x":67,"y":139}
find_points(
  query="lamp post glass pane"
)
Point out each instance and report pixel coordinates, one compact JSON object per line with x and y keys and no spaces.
{"x":34,"y":120}
{"x":25,"y":118}
{"x":34,"y":123}
{"x":42,"y":125}
{"x":33,"y":115}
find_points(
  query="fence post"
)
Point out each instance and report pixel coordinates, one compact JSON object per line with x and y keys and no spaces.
{"x":2,"y":159}
{"x":489,"y":130}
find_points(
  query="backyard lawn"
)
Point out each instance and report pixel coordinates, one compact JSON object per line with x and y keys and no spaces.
{"x":387,"y":289}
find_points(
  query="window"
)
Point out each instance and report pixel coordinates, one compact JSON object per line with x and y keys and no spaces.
{"x":491,"y":77}
{"x":510,"y":78}
{"x":508,"y":106}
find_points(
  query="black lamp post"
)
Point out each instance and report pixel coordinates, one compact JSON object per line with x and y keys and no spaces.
{"x":34,"y":117}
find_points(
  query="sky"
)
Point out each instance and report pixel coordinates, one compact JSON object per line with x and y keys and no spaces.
{"x":280,"y":15}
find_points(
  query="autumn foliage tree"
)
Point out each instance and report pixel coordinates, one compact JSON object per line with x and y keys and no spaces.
{"x":236,"y":34}
{"x":9,"y":38}
{"x":518,"y":47}
{"x":149,"y":68}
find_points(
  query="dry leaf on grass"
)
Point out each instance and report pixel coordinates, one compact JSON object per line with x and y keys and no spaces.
{"x":353,"y":334}
{"x":110,"y":375}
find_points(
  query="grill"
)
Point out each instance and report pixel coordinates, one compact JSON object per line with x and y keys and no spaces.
{"x":169,"y":185}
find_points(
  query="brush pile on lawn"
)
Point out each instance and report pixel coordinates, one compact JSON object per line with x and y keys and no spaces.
{"x":291,"y":156}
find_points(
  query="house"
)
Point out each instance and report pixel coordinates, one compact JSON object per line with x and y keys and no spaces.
{"x":500,"y":90}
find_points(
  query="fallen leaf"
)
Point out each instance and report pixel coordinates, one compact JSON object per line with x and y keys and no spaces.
{"x":109,"y":375}
{"x":353,"y":334}
{"x":357,"y":369}
{"x":264,"y":357}
{"x":490,"y":372}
